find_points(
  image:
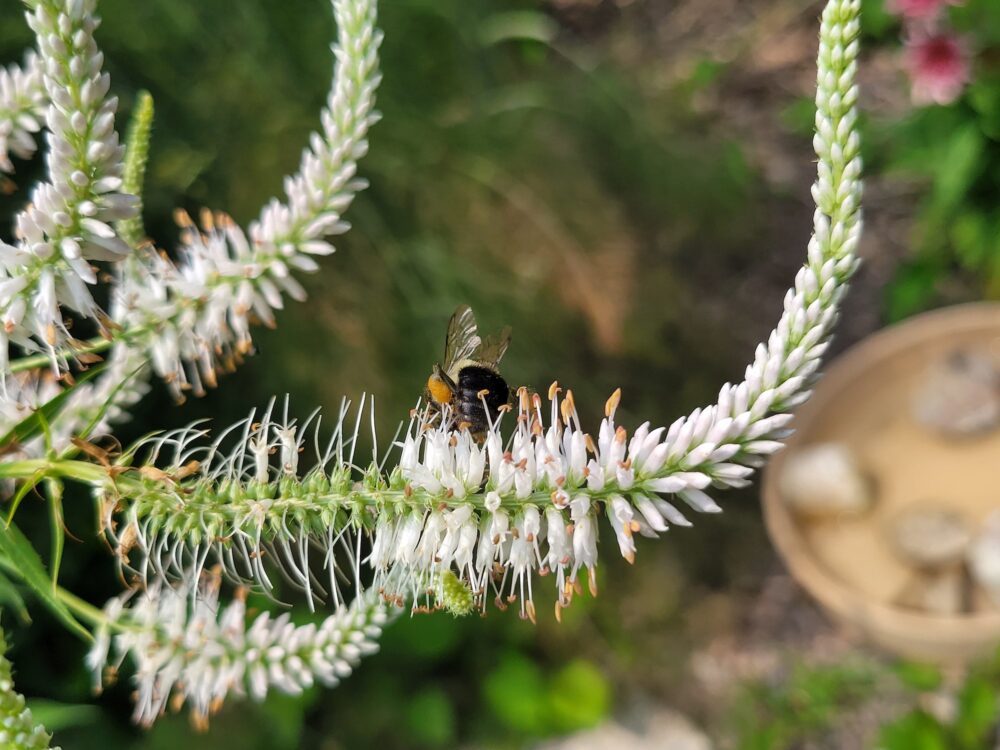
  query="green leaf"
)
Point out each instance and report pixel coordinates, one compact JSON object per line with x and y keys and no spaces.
{"x":516,"y":693}
{"x":11,"y":598}
{"x":284,"y":716}
{"x":800,"y":116}
{"x":960,"y":164}
{"x":922,"y":677}
{"x":972,"y":238}
{"x":428,"y":639}
{"x":912,"y":290}
{"x":876,"y":21}
{"x":55,"y":716}
{"x":56,"y":525}
{"x":984,"y":96}
{"x":430,"y":719}
{"x":915,"y":731}
{"x":37,"y":422}
{"x":978,"y":711}
{"x":705,"y":73}
{"x":579,"y":696}
{"x":22,"y":492}
{"x":25,"y":562}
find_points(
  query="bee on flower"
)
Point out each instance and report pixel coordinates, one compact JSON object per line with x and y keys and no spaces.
{"x":468,"y":390}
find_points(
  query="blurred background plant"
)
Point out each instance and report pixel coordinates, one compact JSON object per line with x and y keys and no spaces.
{"x":927,"y":713}
{"x":603,"y":175}
{"x":944,"y":150}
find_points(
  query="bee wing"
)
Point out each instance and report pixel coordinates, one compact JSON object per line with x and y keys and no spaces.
{"x":462,"y":339}
{"x":492,"y":348}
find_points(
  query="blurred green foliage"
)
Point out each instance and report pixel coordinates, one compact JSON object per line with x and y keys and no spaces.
{"x":952,"y":155}
{"x":575,"y":697}
{"x":813,"y":702}
{"x":803,"y":705}
{"x":975,"y":724}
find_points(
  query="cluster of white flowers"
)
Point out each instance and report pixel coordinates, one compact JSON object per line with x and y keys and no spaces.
{"x":22,"y":102}
{"x":194,"y":316}
{"x":69,"y":221}
{"x":188,"y":648}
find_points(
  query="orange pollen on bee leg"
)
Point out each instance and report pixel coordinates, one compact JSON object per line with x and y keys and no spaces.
{"x":439,"y":391}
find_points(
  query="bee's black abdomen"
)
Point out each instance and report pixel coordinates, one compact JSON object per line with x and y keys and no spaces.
{"x":472,"y":380}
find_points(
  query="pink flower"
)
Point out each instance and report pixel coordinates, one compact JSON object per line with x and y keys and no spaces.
{"x":919,"y":8}
{"x":939,"y":67}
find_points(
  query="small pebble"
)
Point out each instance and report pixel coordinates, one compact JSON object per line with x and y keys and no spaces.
{"x":941,"y":593}
{"x":825,"y":480}
{"x":931,"y":538}
{"x":960,"y":395}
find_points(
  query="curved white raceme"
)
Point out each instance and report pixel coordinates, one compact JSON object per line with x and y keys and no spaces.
{"x":188,"y":648}
{"x":193,"y":316}
{"x":319,"y":193}
{"x":22,"y":105}
{"x":69,"y":221}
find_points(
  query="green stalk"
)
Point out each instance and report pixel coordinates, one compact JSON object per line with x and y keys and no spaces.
{"x":85,"y":610}
{"x":95,"y":345}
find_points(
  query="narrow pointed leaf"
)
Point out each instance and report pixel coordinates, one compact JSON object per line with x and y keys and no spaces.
{"x":24,"y":561}
{"x":36,"y":422}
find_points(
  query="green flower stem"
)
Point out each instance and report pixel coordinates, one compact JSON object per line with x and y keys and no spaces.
{"x":80,"y":471}
{"x":85,"y":610}
{"x":288,"y":495}
{"x":95,"y":345}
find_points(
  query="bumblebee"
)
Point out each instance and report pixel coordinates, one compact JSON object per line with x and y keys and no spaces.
{"x":468,"y":385}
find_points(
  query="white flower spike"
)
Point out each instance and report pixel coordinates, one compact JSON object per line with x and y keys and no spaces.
{"x":69,"y":221}
{"x":188,"y":648}
{"x":22,"y":105}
